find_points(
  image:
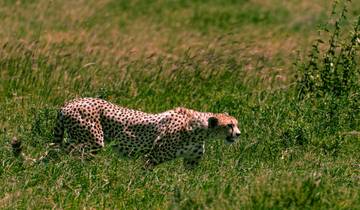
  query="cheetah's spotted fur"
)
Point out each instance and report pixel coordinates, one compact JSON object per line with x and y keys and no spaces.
{"x":160,"y":137}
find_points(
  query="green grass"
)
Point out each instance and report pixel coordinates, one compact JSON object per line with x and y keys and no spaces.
{"x":219,"y":56}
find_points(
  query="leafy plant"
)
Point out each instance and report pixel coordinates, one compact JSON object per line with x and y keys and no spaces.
{"x":332,"y":66}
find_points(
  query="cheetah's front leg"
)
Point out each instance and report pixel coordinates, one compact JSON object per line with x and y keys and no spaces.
{"x":191,"y":163}
{"x":193,"y":157}
{"x":159,"y":154}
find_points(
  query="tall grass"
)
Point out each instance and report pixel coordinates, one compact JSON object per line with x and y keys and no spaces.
{"x":294,"y":152}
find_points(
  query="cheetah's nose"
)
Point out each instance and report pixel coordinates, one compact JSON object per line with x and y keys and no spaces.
{"x":237,"y":134}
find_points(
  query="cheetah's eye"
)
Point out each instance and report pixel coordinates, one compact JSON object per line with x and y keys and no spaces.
{"x":230,"y":125}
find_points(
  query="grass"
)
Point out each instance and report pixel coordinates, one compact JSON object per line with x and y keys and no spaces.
{"x":218,"y":56}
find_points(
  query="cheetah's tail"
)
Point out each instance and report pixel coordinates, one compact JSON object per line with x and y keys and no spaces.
{"x":16,"y":145}
{"x":51,"y":148}
{"x":59,"y":128}
{"x":17,"y":150}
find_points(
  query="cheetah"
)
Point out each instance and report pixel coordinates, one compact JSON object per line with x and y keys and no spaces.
{"x":176,"y":133}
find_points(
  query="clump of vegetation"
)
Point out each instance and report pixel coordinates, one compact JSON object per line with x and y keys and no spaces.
{"x":329,"y":81}
{"x":333,"y":65}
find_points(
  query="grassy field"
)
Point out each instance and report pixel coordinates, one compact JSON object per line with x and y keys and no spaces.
{"x":219,"y":56}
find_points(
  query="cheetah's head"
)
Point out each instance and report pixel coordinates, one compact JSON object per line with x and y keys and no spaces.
{"x":224,"y":126}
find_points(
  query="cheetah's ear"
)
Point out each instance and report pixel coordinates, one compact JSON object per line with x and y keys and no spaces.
{"x":213,"y":122}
